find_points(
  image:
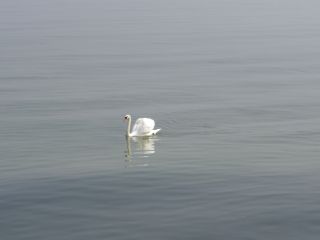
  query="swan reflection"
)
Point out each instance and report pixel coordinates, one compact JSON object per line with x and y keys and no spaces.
{"x":140,"y":146}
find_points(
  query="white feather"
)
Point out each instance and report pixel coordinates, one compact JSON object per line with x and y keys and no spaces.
{"x":143,"y":126}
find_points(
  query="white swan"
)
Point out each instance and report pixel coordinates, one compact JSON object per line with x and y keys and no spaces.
{"x":142,"y":127}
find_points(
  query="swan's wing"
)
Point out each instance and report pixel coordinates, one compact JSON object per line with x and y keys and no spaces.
{"x":143,"y":126}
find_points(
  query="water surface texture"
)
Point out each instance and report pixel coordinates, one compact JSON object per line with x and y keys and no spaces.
{"x":234,"y":85}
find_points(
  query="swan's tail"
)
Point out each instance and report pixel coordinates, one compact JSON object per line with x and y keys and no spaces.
{"x":154,"y":132}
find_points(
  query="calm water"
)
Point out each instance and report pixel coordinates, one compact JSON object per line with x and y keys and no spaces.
{"x":234,"y":85}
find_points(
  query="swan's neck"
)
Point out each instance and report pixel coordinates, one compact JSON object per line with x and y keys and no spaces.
{"x":129,"y":126}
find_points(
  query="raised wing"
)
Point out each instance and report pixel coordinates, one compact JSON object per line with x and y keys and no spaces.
{"x":143,"y":126}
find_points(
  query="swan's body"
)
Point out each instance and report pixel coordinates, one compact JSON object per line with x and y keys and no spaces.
{"x":142,"y":127}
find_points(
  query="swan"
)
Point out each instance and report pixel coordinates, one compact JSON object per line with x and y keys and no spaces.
{"x":142,"y":127}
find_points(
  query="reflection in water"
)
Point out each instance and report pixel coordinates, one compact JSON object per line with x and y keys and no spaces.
{"x":140,"y":146}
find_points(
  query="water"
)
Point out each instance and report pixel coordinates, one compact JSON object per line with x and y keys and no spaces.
{"x":234,"y":85}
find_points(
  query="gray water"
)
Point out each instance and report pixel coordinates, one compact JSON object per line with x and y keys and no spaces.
{"x":234,"y":85}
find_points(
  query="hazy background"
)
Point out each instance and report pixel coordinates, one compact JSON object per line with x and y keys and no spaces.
{"x":234,"y":85}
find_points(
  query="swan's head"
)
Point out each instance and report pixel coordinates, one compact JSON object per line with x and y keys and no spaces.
{"x":127,"y":117}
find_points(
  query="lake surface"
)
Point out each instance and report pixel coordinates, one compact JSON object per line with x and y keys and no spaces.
{"x":234,"y":85}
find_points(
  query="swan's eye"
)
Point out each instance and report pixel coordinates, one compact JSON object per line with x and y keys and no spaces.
{"x":125,"y":117}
